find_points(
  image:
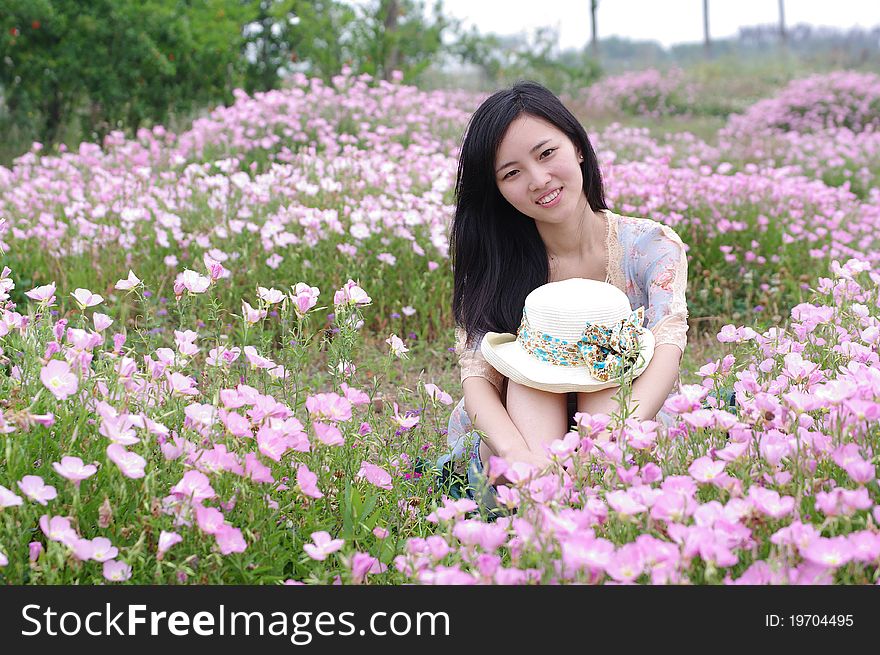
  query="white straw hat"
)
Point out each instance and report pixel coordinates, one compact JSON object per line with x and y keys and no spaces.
{"x":575,"y":335}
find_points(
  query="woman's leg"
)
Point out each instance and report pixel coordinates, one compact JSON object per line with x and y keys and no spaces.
{"x":595,"y":402}
{"x":540,"y":416}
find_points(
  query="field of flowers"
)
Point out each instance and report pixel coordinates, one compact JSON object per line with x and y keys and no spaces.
{"x":210,"y":349}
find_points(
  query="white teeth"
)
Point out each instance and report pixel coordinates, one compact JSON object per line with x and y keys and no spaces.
{"x":550,"y":197}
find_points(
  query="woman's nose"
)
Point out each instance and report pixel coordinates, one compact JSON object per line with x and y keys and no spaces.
{"x":539,"y":180}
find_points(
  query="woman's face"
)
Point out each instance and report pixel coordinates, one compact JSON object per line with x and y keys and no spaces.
{"x":537,"y":170}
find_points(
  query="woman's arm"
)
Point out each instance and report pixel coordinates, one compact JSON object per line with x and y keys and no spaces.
{"x":651,"y":388}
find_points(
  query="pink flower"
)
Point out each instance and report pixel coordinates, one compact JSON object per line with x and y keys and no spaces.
{"x":230,"y":540}
{"x":374,"y":475}
{"x":195,"y":486}
{"x":623,"y":502}
{"x":488,"y":536}
{"x":308,"y":482}
{"x":706,"y":470}
{"x":590,"y":425}
{"x":86,"y":298}
{"x":252,"y":316}
{"x":180,"y":384}
{"x":627,"y":563}
{"x":34,"y":488}
{"x":831,"y":553}
{"x":700,"y":418}
{"x":209,"y":519}
{"x":166,"y":541}
{"x":57,"y":377}
{"x":222,"y":356}
{"x":131,"y":464}
{"x":119,"y":429}
{"x":101,"y":321}
{"x":256,"y":360}
{"x":44,"y":294}
{"x":102,"y":549}
{"x":256,"y":470}
{"x":116,"y":571}
{"x":323,"y":546}
{"x":58,"y":529}
{"x":193,"y":282}
{"x":438,"y":395}
{"x":405,"y":422}
{"x":8,"y":498}
{"x":728,"y":334}
{"x":865,"y":546}
{"x":768,"y":501}
{"x":129,"y":283}
{"x":236,"y":424}
{"x":351,"y":294}
{"x":35,"y":549}
{"x":304,"y":298}
{"x":861,"y":471}
{"x":689,"y":399}
{"x":329,"y":406}
{"x":271,"y":442}
{"x":354,"y":396}
{"x":328,"y":434}
{"x":362,"y":564}
{"x":73,"y":469}
{"x":582,"y":551}
{"x":270,"y":296}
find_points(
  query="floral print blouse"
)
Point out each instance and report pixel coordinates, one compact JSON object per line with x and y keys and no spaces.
{"x":648,"y":262}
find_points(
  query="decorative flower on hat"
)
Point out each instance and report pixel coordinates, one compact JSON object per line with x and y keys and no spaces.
{"x":606,"y":351}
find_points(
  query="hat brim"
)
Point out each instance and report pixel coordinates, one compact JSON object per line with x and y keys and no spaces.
{"x":508,"y":357}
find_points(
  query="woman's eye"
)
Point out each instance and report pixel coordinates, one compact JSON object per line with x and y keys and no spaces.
{"x":547,"y":152}
{"x":509,"y":174}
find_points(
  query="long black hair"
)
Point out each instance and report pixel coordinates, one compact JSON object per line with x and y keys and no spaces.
{"x":497,"y":254}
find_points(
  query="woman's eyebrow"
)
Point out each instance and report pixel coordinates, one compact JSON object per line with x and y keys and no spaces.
{"x":536,"y":147}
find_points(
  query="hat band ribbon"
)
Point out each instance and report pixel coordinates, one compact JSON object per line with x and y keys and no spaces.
{"x":607,"y":351}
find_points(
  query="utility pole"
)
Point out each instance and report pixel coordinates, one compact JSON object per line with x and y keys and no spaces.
{"x":782,"y":34}
{"x":707,"y":45}
{"x":594,"y":40}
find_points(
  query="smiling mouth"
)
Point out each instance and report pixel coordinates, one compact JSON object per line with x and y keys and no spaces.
{"x":550,"y":197}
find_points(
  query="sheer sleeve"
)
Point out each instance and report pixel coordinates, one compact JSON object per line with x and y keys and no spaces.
{"x":665,"y":284}
{"x":472,"y":362}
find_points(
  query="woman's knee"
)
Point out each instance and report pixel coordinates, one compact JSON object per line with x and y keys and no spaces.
{"x":541,"y":413}
{"x":594,"y":402}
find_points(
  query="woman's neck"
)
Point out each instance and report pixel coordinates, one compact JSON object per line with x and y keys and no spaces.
{"x":580,"y":237}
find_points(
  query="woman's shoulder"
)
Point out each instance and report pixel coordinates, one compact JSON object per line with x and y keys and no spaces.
{"x":642,"y":230}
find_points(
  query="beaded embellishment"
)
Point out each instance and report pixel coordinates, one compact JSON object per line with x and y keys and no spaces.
{"x":606,"y":351}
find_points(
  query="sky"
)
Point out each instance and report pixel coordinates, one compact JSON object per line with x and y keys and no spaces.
{"x":666,"y":21}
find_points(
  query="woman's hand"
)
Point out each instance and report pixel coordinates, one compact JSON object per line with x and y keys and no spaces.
{"x":528,"y":456}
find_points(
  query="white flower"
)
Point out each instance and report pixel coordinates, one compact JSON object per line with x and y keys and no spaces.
{"x":397,"y":346}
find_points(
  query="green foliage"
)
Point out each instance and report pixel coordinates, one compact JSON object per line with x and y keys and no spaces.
{"x":112,"y":63}
{"x":377,"y":38}
{"x":504,"y":60}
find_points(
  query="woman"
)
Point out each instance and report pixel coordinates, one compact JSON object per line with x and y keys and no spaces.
{"x":530,"y":209}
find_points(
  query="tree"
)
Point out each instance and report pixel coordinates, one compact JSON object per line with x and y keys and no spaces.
{"x":398,"y":35}
{"x":108,"y":64}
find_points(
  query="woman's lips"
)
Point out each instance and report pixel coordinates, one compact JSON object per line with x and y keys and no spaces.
{"x":553,"y":202}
